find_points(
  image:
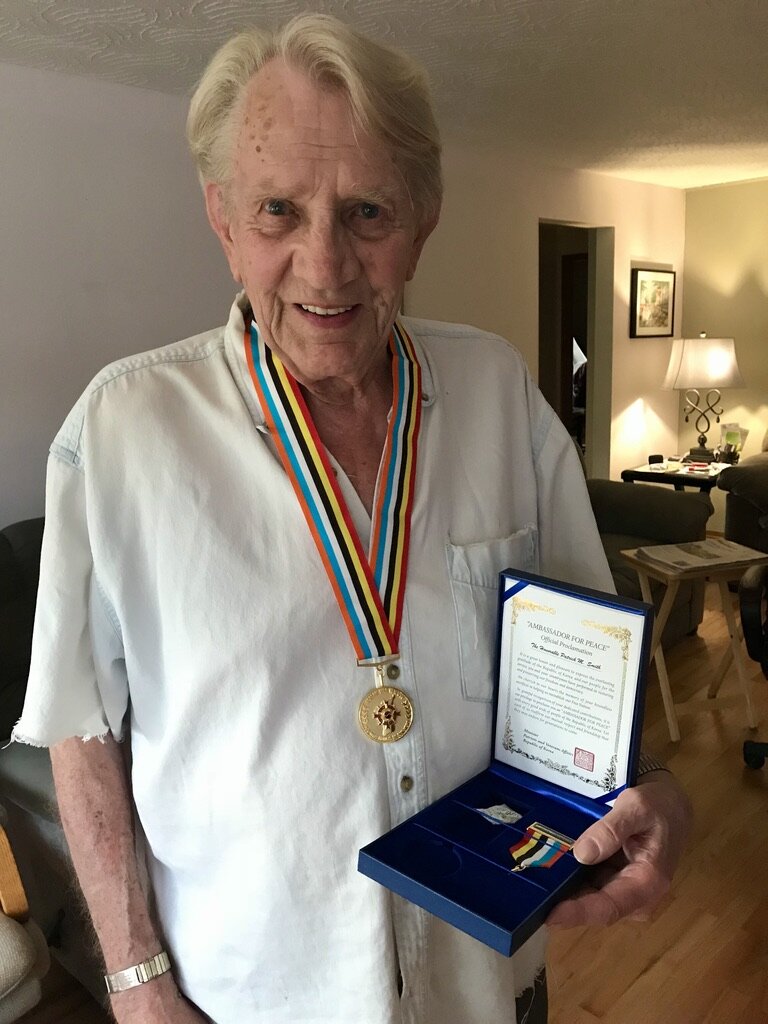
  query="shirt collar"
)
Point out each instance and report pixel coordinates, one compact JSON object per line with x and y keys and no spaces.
{"x":234,"y":344}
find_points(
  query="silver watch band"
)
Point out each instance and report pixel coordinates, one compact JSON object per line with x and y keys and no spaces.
{"x":646,"y":764}
{"x":139,"y":974}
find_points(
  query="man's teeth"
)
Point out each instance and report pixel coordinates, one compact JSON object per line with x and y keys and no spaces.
{"x":326,"y":312}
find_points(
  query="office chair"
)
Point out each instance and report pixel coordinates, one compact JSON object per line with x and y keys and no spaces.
{"x":753,"y":603}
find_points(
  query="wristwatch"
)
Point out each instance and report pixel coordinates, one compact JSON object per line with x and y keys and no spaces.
{"x":646,"y":764}
{"x":139,"y":974}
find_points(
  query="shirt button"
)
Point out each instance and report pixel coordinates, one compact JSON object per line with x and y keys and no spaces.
{"x":406,"y":783}
{"x":393,"y":671}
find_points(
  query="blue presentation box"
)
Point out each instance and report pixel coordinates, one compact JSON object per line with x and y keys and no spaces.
{"x":571,"y":665}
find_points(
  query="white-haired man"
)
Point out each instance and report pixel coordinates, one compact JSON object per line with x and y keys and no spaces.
{"x":236,"y":521}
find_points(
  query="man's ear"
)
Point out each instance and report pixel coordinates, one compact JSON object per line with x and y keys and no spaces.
{"x":425,"y":230}
{"x":219,"y":219}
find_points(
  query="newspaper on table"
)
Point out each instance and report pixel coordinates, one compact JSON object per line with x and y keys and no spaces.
{"x":714,"y":552}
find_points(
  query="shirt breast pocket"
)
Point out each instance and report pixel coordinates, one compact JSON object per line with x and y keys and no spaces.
{"x":474,"y":574}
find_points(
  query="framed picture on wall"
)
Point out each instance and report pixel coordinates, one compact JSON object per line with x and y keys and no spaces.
{"x":652,"y":303}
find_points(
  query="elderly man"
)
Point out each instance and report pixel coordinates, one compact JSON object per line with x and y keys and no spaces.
{"x":246,"y":531}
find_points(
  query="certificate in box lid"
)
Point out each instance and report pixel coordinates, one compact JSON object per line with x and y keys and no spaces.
{"x":581,"y":730}
{"x":571,"y":668}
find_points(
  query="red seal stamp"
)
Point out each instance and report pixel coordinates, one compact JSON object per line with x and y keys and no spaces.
{"x":584,"y":759}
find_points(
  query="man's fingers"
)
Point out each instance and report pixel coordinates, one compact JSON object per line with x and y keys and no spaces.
{"x":633,"y":891}
{"x":634,"y":848}
{"x":630,"y":817}
{"x":593,"y":907}
{"x":599,"y":842}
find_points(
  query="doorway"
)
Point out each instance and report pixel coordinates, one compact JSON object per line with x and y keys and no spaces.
{"x":575,"y":333}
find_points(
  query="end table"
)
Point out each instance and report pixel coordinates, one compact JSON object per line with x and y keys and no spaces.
{"x":721,"y":575}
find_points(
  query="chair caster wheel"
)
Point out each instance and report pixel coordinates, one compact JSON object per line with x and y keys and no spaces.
{"x":752,"y":756}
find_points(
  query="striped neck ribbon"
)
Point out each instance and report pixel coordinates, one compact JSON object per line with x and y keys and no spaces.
{"x":369,"y":589}
{"x":540,"y":847}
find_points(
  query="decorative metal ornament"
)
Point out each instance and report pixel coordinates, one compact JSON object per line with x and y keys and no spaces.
{"x":385,"y":714}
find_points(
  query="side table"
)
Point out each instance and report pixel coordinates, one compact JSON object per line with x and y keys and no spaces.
{"x":678,"y":478}
{"x":721,"y":575}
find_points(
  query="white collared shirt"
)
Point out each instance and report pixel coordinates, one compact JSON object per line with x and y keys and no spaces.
{"x":180,"y":585}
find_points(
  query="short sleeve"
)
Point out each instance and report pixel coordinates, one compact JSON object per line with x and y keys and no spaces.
{"x":77,"y":682}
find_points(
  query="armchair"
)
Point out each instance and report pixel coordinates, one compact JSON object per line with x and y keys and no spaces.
{"x":746,"y":503}
{"x":27,"y":795}
{"x":24,"y":959}
{"x":19,"y":570}
{"x":753,"y":602}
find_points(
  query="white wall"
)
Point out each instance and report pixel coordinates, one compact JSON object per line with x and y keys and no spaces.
{"x":726,"y":290}
{"x":104,"y":251}
{"x":481,"y":267}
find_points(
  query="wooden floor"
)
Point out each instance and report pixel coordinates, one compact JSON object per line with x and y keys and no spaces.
{"x":704,"y":957}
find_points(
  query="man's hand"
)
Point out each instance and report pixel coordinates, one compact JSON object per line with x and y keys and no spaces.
{"x":157,"y":1002}
{"x":637,"y":845}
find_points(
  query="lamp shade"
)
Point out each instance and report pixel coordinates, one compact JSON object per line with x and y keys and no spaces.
{"x":703,"y":363}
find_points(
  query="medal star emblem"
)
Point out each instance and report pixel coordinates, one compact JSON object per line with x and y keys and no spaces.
{"x":386,"y":714}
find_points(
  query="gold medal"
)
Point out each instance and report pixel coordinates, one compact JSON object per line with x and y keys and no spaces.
{"x":385,"y":714}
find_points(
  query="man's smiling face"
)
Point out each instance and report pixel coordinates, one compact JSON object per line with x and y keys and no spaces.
{"x":318,"y":227}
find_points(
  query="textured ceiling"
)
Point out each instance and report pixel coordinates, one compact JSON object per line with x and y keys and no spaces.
{"x":668,"y":91}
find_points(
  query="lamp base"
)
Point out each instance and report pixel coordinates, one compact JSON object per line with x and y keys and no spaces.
{"x":700,"y":454}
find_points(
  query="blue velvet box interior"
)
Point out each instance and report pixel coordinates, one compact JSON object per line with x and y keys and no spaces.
{"x":452,"y":861}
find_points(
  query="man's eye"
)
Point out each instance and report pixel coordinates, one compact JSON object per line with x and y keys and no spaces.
{"x":369,"y":211}
{"x":276,"y":207}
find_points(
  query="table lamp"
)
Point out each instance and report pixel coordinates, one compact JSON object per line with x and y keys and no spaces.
{"x":701,"y":367}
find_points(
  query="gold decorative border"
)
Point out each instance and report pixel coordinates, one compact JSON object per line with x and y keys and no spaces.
{"x":521,"y":604}
{"x":621,"y":633}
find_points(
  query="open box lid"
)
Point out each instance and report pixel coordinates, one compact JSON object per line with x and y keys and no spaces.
{"x":571,"y":668}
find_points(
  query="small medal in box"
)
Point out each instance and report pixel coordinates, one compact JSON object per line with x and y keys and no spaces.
{"x":493,"y":857}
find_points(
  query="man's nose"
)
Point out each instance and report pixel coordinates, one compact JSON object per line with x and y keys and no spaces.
{"x":325,"y":258}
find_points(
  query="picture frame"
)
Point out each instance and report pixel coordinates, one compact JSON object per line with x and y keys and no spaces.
{"x":652,"y":303}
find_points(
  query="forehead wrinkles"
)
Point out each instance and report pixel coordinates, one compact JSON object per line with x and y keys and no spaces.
{"x":289,"y":158}
{"x":284,"y":166}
